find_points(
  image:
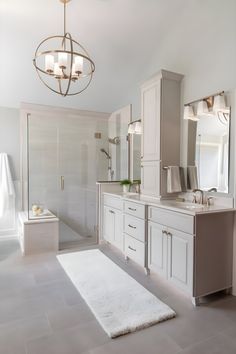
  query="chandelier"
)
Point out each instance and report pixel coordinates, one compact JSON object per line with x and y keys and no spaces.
{"x":63,"y":64}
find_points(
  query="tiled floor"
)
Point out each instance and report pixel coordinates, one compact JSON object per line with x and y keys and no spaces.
{"x":42,"y":313}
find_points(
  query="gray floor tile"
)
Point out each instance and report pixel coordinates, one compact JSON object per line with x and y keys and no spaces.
{"x":149,"y":341}
{"x":218,"y":344}
{"x":70,"y":316}
{"x":73,"y":341}
{"x":25,"y":329}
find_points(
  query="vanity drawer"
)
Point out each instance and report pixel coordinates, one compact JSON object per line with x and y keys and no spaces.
{"x":114,"y":202}
{"x":134,"y":249}
{"x":134,"y":227}
{"x":178,"y":221}
{"x":134,"y":209}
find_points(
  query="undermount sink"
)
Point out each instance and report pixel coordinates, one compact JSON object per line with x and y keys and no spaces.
{"x":194,"y":206}
{"x":186,"y":205}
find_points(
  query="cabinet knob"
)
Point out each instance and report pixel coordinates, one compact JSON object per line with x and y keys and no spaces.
{"x":111,"y":211}
{"x":164,"y":232}
{"x":169,"y":234}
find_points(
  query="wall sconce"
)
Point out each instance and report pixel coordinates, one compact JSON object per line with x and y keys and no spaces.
{"x":210,"y":105}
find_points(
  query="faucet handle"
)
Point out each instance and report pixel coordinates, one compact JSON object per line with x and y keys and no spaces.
{"x":194,"y":198}
{"x":208,"y":201}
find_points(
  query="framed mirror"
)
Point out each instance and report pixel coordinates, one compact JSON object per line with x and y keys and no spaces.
{"x":208,"y":152}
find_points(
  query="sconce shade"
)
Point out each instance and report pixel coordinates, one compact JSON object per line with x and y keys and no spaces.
{"x":202,"y":108}
{"x":131,"y":129}
{"x":138,"y":128}
{"x":189,"y":113}
{"x":219,"y":103}
{"x":135,"y":127}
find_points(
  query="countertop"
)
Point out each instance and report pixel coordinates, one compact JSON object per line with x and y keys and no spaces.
{"x":171,"y":204}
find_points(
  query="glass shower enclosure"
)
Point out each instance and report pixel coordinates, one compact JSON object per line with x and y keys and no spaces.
{"x":64,"y":161}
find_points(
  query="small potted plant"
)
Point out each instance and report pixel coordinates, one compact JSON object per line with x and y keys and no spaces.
{"x":126,"y":183}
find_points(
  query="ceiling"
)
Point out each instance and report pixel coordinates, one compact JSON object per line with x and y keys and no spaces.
{"x":123,"y":37}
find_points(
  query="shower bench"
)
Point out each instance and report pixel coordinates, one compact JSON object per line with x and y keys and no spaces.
{"x":38,"y":235}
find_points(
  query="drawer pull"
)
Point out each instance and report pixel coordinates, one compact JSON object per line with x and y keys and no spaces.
{"x":132,"y":227}
{"x":132,"y":209}
{"x":111,"y":211}
{"x":132,"y":249}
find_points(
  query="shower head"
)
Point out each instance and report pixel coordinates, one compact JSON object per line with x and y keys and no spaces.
{"x":106,"y":153}
{"x":115,"y":140}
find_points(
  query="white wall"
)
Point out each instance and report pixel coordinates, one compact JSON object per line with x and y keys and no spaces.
{"x":10,"y":138}
{"x":199,"y":44}
{"x":10,"y":143}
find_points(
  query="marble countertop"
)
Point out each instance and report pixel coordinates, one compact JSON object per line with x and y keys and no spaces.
{"x":171,"y":204}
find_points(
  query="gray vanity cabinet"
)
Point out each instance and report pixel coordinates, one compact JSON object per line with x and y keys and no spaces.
{"x":193,"y":252}
{"x":160,"y":116}
{"x":170,"y":254}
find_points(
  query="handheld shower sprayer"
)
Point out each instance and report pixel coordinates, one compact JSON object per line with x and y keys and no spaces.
{"x":106,"y":153}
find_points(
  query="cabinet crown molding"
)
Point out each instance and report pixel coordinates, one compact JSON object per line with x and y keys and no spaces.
{"x":163,"y":74}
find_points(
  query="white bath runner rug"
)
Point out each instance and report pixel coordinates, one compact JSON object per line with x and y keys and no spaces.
{"x":119,"y":303}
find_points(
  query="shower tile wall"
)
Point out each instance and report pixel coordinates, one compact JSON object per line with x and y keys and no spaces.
{"x":66,"y":146}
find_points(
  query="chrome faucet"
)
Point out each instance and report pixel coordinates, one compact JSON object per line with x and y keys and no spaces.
{"x":201,"y":198}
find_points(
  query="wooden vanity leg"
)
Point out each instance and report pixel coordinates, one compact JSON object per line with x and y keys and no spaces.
{"x":195,"y":301}
{"x":147,"y":271}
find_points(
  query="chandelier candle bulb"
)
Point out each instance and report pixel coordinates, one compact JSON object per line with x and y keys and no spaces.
{"x":49,"y":63}
{"x":74,"y":75}
{"x":62,"y":60}
{"x":58,"y":71}
{"x":79,"y":62}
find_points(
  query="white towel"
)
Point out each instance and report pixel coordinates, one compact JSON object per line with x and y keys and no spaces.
{"x":173,"y":179}
{"x":6,"y":184}
{"x":192,"y":177}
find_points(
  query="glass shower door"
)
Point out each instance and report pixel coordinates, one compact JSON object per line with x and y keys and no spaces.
{"x":65,"y":162}
{"x":72,"y":173}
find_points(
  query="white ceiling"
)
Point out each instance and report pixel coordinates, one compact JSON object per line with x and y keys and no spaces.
{"x":123,"y":38}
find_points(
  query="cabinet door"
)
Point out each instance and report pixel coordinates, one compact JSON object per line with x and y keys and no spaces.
{"x":150,"y":111}
{"x":180,"y":259}
{"x":157,"y":248}
{"x":150,"y":178}
{"x":118,"y":239}
{"x":109,"y":224}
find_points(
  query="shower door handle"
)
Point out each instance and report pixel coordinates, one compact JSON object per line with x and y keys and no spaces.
{"x":62,"y":183}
